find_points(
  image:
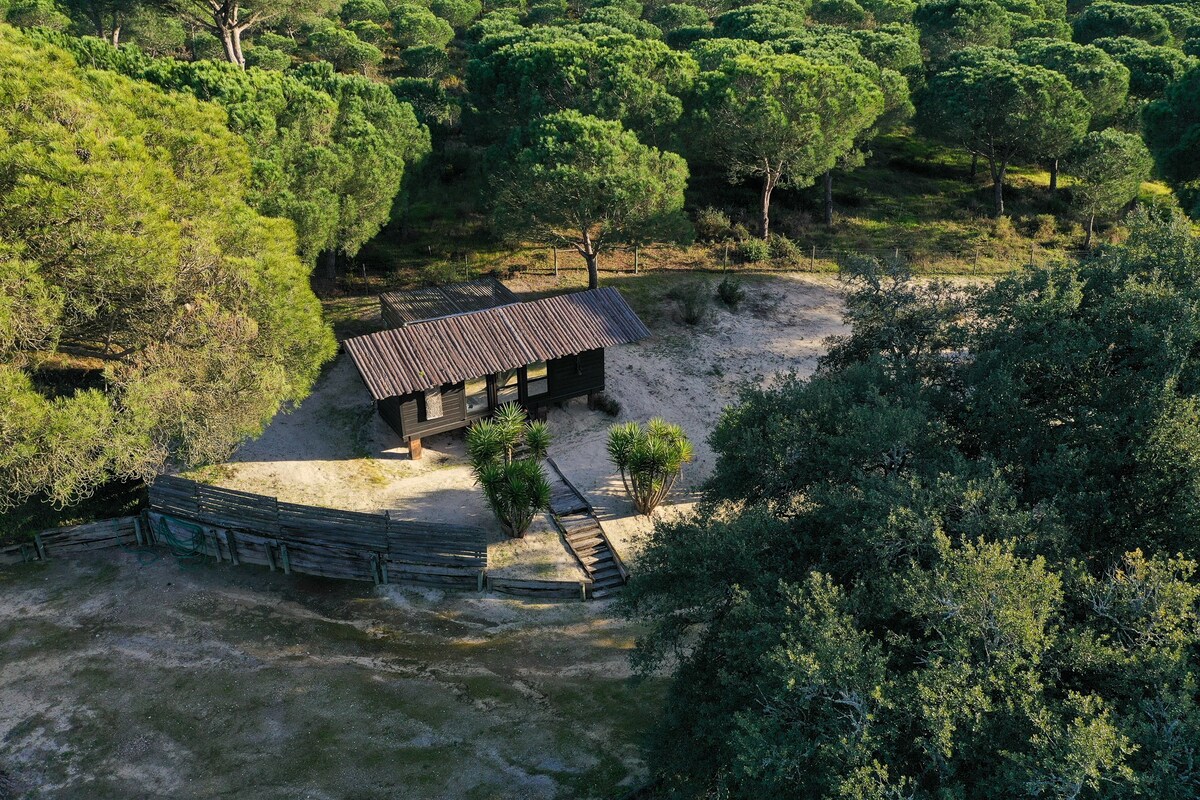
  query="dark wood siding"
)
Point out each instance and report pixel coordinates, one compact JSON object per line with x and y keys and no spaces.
{"x":406,"y":414}
{"x":568,"y":377}
{"x":572,"y":376}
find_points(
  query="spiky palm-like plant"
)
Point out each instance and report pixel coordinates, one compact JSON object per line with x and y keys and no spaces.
{"x":650,"y":458}
{"x":515,"y":488}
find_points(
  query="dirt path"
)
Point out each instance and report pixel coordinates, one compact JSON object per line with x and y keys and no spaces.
{"x":137,"y":676}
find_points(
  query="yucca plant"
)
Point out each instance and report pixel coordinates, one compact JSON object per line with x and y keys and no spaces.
{"x":650,"y":458}
{"x":515,"y":488}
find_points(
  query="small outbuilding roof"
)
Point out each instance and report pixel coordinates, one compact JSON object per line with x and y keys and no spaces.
{"x":469,"y":345}
{"x":416,"y":305}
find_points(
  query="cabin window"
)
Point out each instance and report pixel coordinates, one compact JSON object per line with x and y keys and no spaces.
{"x":536,"y":382}
{"x":506,"y":386}
{"x":477,"y":400}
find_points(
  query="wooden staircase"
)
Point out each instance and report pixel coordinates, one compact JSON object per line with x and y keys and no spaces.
{"x":573,"y":516}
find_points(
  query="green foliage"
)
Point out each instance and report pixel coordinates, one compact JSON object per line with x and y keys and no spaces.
{"x":37,"y":14}
{"x":754,"y":251}
{"x":263,"y":57}
{"x":1108,"y":167}
{"x":782,"y":119}
{"x":149,"y":313}
{"x":1104,"y":19}
{"x":589,"y":184}
{"x":692,"y":300}
{"x":948,"y":26}
{"x":730,"y":291}
{"x":364,"y":11}
{"x":938,"y":577}
{"x":1172,"y":127}
{"x":1003,"y":110}
{"x":459,"y":13}
{"x":519,"y":76}
{"x":1102,"y":80}
{"x":713,"y":225}
{"x":1151,"y":68}
{"x":415,"y":25}
{"x":330,"y":151}
{"x":343,"y":49}
{"x":784,"y":249}
{"x":515,"y":487}
{"x":650,"y":458}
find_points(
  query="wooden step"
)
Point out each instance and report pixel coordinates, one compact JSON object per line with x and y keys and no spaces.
{"x":600,"y":594}
{"x":595,"y":558}
{"x":605,"y":573}
{"x":572,"y":524}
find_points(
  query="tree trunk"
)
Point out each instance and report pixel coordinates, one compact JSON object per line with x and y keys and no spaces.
{"x":229,"y":29}
{"x":828,"y":197}
{"x":1054,"y":175}
{"x":116,"y":36}
{"x":591,"y":256}
{"x":998,"y":189}
{"x":768,"y":187}
{"x":974,"y":165}
{"x":1087,"y":240}
{"x":331,"y":264}
{"x":227,"y":44}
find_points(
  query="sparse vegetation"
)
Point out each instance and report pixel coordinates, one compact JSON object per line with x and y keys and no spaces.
{"x":692,"y":301}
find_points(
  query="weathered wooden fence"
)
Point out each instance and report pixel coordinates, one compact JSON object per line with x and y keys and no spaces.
{"x":126,"y":531}
{"x":195,"y":520}
{"x":241,"y":527}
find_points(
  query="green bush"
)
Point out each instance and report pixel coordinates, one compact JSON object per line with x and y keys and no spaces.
{"x":713,"y":225}
{"x":515,"y":488}
{"x":753,"y":251}
{"x":692,"y":299}
{"x":784,"y":249}
{"x":267,"y":58}
{"x":650,"y":458}
{"x":730,"y":292}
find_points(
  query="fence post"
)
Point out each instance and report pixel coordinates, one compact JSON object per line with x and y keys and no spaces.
{"x":635,"y":259}
{"x":555,"y":249}
{"x":897,"y":254}
{"x":1032,"y":263}
{"x":975,"y":263}
{"x":725,"y":258}
{"x":41,"y":548}
{"x":812,"y":263}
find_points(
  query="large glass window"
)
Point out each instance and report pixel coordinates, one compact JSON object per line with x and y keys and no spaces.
{"x":536,"y":382}
{"x":476,"y":390}
{"x":506,"y":386}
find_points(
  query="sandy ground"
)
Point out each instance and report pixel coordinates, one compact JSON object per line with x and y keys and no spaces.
{"x":333,"y":451}
{"x":132,"y":675}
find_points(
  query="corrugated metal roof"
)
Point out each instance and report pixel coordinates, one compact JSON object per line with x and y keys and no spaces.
{"x":402,"y":308}
{"x":455,"y":348}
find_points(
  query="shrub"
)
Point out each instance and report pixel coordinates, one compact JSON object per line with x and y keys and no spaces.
{"x":692,"y":300}
{"x":650,"y":458}
{"x":713,"y":225}
{"x":607,"y":404}
{"x":267,"y":58}
{"x":784,"y":248}
{"x":515,"y":488}
{"x":753,"y":251}
{"x":730,"y":292}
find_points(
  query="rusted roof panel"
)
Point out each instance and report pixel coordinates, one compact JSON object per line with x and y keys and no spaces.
{"x":416,"y":305}
{"x":469,"y":345}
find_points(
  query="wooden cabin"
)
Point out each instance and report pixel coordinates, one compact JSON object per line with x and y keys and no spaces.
{"x":436,"y":374}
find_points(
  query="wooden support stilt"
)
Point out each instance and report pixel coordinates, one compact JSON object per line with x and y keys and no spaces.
{"x":414,"y":449}
{"x":591,"y":401}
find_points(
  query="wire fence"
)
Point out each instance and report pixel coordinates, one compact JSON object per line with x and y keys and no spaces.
{"x":565,"y":263}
